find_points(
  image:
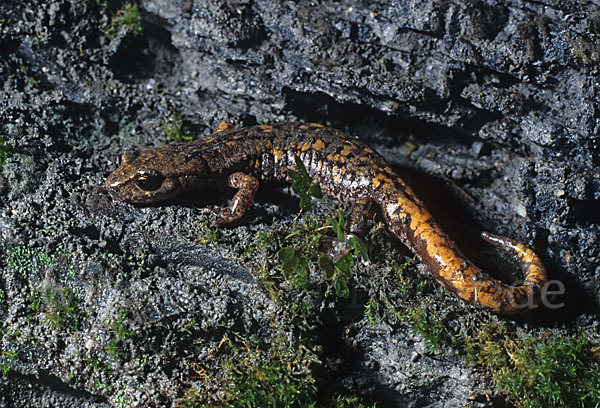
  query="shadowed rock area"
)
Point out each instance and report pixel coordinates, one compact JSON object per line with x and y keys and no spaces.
{"x":490,"y":111}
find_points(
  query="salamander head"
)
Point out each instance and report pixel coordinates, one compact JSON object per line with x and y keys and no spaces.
{"x":156,"y":174}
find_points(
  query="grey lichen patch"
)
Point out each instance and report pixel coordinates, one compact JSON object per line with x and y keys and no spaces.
{"x":18,"y":171}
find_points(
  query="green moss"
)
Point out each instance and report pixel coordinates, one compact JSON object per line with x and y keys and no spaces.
{"x":119,"y":334}
{"x":174,"y":129}
{"x":26,"y":261}
{"x":277,"y":371}
{"x":254,"y":374}
{"x":4,"y":148}
{"x":348,"y":402}
{"x":295,"y":251}
{"x":428,"y":325}
{"x":60,"y":305}
{"x":538,"y":371}
{"x":372,"y":312}
{"x":33,"y":263}
{"x":210,"y":233}
{"x":126,"y":18}
{"x":250,"y":375}
{"x":7,"y":358}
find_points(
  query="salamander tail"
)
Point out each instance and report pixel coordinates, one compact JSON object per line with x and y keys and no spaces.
{"x":527,"y":295}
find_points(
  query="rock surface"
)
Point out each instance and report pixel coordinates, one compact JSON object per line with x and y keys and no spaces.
{"x":493,"y":108}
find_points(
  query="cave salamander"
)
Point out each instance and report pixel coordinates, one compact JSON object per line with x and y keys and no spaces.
{"x":346,"y":169}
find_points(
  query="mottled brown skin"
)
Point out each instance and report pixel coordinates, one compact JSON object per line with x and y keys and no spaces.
{"x":345,"y":169}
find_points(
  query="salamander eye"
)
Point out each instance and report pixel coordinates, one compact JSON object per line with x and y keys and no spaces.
{"x":148,"y":179}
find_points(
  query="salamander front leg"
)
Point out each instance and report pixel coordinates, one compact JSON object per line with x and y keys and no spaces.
{"x":240,"y":203}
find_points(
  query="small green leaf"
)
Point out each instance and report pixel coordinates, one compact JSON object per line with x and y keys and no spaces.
{"x":305,"y":203}
{"x":339,"y":226}
{"x":285,"y":254}
{"x":315,"y":191}
{"x":300,"y":188}
{"x":359,"y":246}
{"x":294,"y":175}
{"x":289,"y":260}
{"x":300,"y":166}
{"x":326,"y":264}
{"x":302,"y":185}
{"x":341,"y":288}
{"x":344,"y":265}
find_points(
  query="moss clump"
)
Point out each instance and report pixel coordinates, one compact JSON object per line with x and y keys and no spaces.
{"x":174,"y":129}
{"x":428,"y":325}
{"x":294,"y":251}
{"x":127,"y":19}
{"x":29,"y":262}
{"x":280,"y":371}
{"x":348,"y":402}
{"x":251,"y":376}
{"x":61,"y":306}
{"x":538,"y":372}
{"x":119,"y":334}
{"x":24,"y":260}
{"x":4,"y":148}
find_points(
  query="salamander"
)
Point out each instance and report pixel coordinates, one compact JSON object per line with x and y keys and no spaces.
{"x":344,"y":168}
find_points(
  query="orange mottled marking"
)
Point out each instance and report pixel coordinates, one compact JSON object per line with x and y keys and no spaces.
{"x":277,"y":154}
{"x":319,"y":145}
{"x":266,"y":128}
{"x":306,"y":146}
{"x":336,"y":158}
{"x":380,"y":179}
{"x":348,"y":148}
{"x":224,"y":125}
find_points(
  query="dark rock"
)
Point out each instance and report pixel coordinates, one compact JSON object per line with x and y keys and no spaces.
{"x":496,"y":102}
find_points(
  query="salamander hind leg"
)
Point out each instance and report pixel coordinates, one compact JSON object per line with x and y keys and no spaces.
{"x":361,"y":211}
{"x":240,"y":203}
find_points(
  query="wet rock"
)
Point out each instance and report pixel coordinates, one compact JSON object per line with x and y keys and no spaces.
{"x":105,"y":303}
